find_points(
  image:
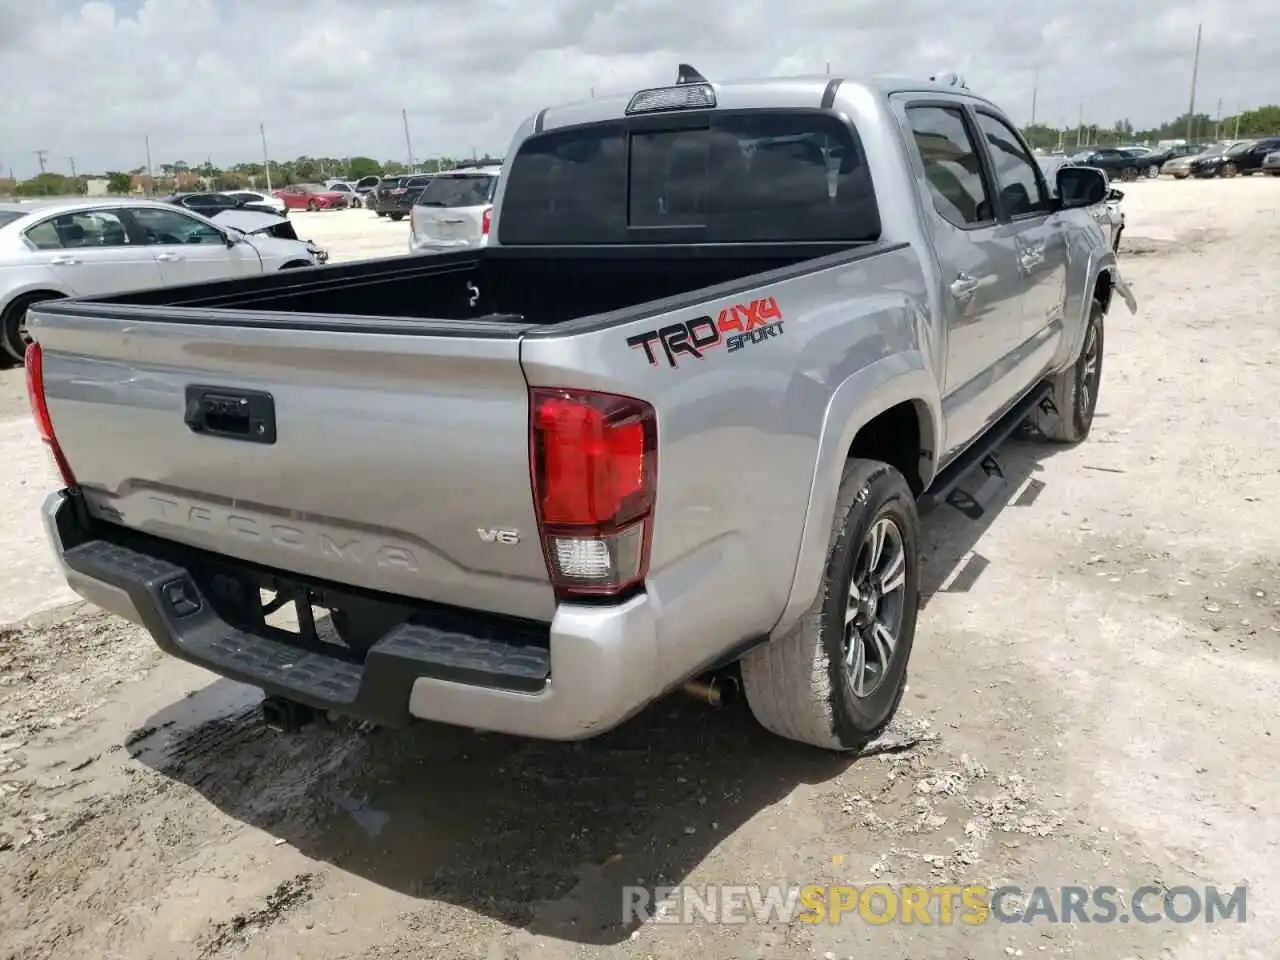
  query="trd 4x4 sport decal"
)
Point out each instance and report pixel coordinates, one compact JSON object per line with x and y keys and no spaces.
{"x":736,"y":327}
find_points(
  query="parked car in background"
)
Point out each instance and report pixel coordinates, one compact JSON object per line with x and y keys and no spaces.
{"x":366,"y":186}
{"x":1115,"y":163}
{"x":454,"y":210}
{"x":1219,"y":163}
{"x":267,"y":200}
{"x":211,"y":203}
{"x":1244,"y":158}
{"x":1271,"y":163}
{"x":269,"y":226}
{"x":92,"y":247}
{"x":381,"y":192}
{"x":312,"y":196}
{"x":1151,"y":160}
{"x":1180,"y":167}
{"x":397,"y":200}
{"x":348,"y":190}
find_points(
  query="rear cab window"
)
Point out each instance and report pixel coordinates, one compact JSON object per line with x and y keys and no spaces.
{"x":459,"y":190}
{"x":763,"y":176}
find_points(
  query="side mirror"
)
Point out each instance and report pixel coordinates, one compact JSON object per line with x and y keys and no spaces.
{"x":1081,"y":187}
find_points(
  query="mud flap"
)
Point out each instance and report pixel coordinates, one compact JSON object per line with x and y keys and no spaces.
{"x":1119,"y":285}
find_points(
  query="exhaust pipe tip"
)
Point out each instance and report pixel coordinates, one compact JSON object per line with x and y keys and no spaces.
{"x":715,"y":692}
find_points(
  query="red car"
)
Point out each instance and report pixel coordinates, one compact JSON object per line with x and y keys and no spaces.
{"x":311,"y":196}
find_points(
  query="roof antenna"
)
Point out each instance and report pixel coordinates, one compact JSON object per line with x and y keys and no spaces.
{"x":686,"y":74}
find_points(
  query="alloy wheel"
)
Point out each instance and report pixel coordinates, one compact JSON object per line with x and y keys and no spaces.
{"x":874,"y":610}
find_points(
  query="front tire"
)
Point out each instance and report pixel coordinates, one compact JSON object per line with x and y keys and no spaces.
{"x":312,"y":207}
{"x":1075,"y":390}
{"x":835,"y":681}
{"x":1129,"y":174}
{"x":1153,"y":171}
{"x":1229,"y":170}
{"x":397,"y":217}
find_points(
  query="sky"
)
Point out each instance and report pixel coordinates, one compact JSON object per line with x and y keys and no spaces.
{"x":330,"y":77}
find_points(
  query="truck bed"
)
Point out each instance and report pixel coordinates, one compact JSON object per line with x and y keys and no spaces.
{"x":522,"y":286}
{"x":365,"y":424}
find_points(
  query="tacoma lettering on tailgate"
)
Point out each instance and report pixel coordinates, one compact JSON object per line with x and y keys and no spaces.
{"x":736,"y":327}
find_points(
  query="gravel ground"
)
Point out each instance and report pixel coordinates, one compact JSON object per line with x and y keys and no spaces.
{"x":1093,"y":701}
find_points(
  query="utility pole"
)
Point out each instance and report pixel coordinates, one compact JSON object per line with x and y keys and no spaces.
{"x":1080,"y":127}
{"x":408,"y":144}
{"x":1035,"y":90}
{"x":1195,"y":75}
{"x":1217,"y":127}
{"x":266,"y":159}
{"x":1237,"y":134}
{"x":828,"y":68}
{"x":73,"y":167}
{"x":151,"y":177}
{"x":40,"y":155}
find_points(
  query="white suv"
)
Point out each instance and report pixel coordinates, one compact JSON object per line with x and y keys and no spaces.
{"x":454,"y":210}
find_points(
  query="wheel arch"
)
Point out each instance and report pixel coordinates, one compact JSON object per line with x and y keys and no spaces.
{"x":866,"y":417}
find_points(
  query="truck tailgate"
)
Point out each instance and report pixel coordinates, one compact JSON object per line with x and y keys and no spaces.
{"x":399,"y":450}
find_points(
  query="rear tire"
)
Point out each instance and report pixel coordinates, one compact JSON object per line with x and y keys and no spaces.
{"x":828,"y":682}
{"x":312,"y":206}
{"x":1229,"y":170}
{"x":397,"y":217}
{"x":1075,"y":390}
{"x":1129,"y":174}
{"x":13,"y":326}
{"x":1153,"y":171}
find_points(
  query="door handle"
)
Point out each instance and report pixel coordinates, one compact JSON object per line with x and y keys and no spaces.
{"x":453,"y":220}
{"x":64,"y":261}
{"x":167,"y":257}
{"x":963,"y":286}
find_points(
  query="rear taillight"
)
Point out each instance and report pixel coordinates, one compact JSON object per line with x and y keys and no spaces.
{"x":486,"y":220}
{"x":34,"y":362}
{"x":594,"y":460}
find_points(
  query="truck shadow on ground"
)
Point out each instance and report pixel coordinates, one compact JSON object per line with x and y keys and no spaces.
{"x":542,"y":836}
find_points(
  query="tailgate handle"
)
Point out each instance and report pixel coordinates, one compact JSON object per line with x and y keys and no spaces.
{"x":234,"y":414}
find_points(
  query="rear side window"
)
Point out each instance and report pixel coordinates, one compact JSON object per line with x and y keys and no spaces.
{"x":952,"y":167}
{"x":1022,"y":191}
{"x":764,"y":176}
{"x":458,"y":192}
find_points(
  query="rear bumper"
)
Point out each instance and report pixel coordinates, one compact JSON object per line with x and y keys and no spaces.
{"x":427,"y":245}
{"x":599,"y":668}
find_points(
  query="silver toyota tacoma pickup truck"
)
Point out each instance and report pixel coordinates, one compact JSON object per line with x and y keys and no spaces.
{"x":680,"y":416}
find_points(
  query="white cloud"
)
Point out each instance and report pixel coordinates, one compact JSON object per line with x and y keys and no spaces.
{"x":329,"y":77}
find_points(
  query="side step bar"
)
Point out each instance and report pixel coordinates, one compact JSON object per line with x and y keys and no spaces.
{"x":947,"y":482}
